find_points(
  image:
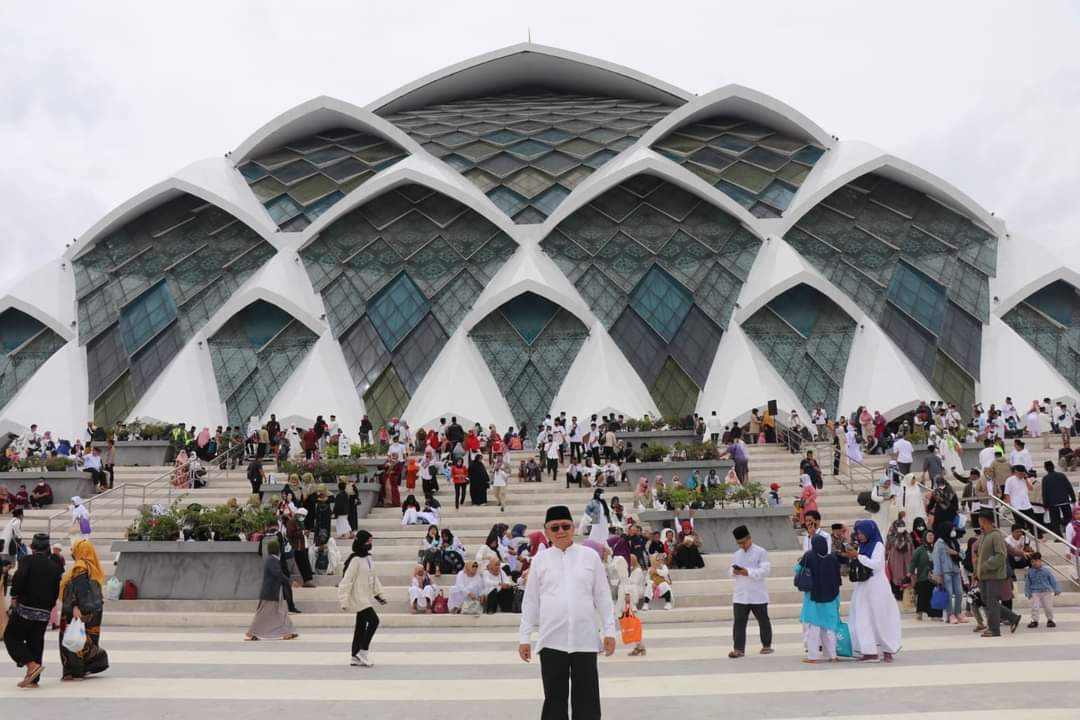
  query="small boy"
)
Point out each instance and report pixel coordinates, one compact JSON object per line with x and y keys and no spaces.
{"x":774,"y":495}
{"x":840,"y":542}
{"x":1040,"y":586}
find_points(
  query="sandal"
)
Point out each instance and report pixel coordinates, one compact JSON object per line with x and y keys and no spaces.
{"x":735,"y":654}
{"x":291,"y":636}
{"x":808,"y":661}
{"x":30,"y":681}
{"x":767,"y":651}
{"x":250,"y":638}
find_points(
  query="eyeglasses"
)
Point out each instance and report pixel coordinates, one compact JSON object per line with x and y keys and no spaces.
{"x":561,"y":527}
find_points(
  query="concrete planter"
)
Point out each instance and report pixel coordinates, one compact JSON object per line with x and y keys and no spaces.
{"x":65,"y":484}
{"x":659,"y":437}
{"x":143,"y":453}
{"x":682,"y":468}
{"x":170,"y":570}
{"x":368,"y":492}
{"x":969,"y":455}
{"x":770,"y":527}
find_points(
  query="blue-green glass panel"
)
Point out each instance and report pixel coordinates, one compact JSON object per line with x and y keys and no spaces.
{"x":553,"y":135}
{"x":317,"y":208}
{"x":507,"y":200}
{"x":799,"y":307}
{"x":808,"y":155}
{"x":146,"y":316}
{"x":529,"y":313}
{"x":529,"y":149}
{"x":550,"y":199}
{"x":778,"y":195}
{"x":503,"y":137}
{"x":16,"y":327}
{"x":1056,"y":300}
{"x":252,"y":172}
{"x":396,"y":309}
{"x":282,"y":208}
{"x":261,"y":321}
{"x":597,"y":159}
{"x":661,"y":301}
{"x":918,"y":296}
{"x":737,"y":194}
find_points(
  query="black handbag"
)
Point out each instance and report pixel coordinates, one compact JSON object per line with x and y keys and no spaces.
{"x":857,"y":572}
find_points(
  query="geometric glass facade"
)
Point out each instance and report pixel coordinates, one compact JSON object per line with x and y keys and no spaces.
{"x":529,"y":344}
{"x":526,"y":152}
{"x":25,"y":345}
{"x":1049,"y":320}
{"x":753,"y":165}
{"x":303,"y":178}
{"x":147,"y":287}
{"x":253,"y":354}
{"x":662,"y":269}
{"x":917,"y":267}
{"x":806,"y":337}
{"x":397,"y":275}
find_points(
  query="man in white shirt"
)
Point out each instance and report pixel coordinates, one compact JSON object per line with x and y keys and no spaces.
{"x":1018,"y":494}
{"x":575,"y":440}
{"x":750,"y":568}
{"x":565,"y":595}
{"x":92,"y":465}
{"x":986,"y":455}
{"x":1020,"y":455}
{"x":812,"y":523}
{"x":820,"y":420}
{"x":396,"y":451}
{"x":716,"y":428}
{"x":1010,"y":411}
{"x":904,"y":454}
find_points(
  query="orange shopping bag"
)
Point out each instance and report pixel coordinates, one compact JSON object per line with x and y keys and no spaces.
{"x":630,"y":627}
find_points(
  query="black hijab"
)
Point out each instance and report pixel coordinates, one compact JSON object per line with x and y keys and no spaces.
{"x":360,"y":547}
{"x":824,"y":569}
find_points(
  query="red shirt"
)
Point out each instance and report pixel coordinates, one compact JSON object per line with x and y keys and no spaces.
{"x":459,"y":475}
{"x":472,"y":443}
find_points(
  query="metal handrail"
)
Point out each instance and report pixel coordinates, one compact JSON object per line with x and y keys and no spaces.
{"x":998,"y":504}
{"x":122,"y":489}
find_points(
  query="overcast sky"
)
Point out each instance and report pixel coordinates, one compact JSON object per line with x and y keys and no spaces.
{"x":98,"y":100}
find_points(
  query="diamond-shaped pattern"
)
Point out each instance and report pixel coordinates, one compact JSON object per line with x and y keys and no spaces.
{"x":1049,"y":320}
{"x":177,"y":263}
{"x":27,"y":344}
{"x":517,"y":147}
{"x":807,"y":338}
{"x":880,"y":240}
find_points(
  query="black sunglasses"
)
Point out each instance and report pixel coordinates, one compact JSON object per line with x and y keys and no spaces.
{"x":561,"y":527}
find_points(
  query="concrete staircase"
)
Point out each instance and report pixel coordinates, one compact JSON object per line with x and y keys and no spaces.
{"x":700,"y":595}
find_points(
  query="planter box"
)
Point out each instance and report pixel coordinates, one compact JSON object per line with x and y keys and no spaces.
{"x":65,"y":484}
{"x":770,"y":527}
{"x":969,"y":455}
{"x":143,"y":453}
{"x":368,"y":492}
{"x":658,"y":437}
{"x":682,"y":468}
{"x":170,"y":570}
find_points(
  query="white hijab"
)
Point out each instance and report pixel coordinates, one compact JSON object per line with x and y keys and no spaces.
{"x":78,"y":510}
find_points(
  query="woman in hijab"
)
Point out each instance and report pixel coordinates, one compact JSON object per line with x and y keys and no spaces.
{"x":271,"y":621}
{"x":80,"y":517}
{"x":468,"y":585}
{"x":80,"y":598}
{"x":944,"y":504}
{"x":898,"y":550}
{"x":909,"y":498}
{"x":33,"y":593}
{"x":947,"y":571}
{"x":202,"y":443}
{"x":358,"y":592}
{"x":596,"y":510}
{"x":687,"y":553}
{"x":821,"y":606}
{"x":874,"y":618}
{"x":919,"y":532}
{"x":180,"y":474}
{"x":620,"y":547}
{"x":641,"y":495}
{"x":478,"y":480}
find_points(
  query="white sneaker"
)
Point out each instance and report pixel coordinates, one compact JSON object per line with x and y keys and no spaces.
{"x":645,"y":607}
{"x":365,"y":660}
{"x":667,"y":606}
{"x":354,"y":661}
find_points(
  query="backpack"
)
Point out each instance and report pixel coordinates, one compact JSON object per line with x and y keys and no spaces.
{"x":322,"y":562}
{"x":130,"y":592}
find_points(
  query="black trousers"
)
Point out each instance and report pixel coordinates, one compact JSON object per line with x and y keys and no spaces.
{"x":111,"y":470}
{"x":286,"y":591}
{"x":303,"y":564}
{"x":573,"y":478}
{"x":367,"y":622}
{"x":499,"y":599}
{"x":1060,"y":517}
{"x":459,"y":494}
{"x":573,"y":675}
{"x":742,"y":615}
{"x":553,"y":467}
{"x":25,"y":640}
{"x":991,"y":594}
{"x":575,"y":452}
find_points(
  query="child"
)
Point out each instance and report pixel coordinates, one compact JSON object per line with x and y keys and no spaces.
{"x":421,"y":590}
{"x":1040,"y":586}
{"x":774,"y":495}
{"x":499,"y":483}
{"x":659,"y":581}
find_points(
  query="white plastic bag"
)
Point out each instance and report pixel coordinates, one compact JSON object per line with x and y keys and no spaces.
{"x":75,"y":636}
{"x":112,"y":588}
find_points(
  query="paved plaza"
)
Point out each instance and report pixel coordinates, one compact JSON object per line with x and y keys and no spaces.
{"x":943,"y":672}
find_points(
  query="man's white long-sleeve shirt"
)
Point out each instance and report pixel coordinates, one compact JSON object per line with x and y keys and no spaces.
{"x":568,"y":597}
{"x":751,"y":589}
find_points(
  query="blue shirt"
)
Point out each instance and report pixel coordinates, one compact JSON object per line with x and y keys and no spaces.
{"x":1040,"y":580}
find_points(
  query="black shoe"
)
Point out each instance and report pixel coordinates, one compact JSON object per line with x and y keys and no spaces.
{"x":1051,"y":624}
{"x":1015,"y":624}
{"x":1033,"y":624}
{"x":294,"y":611}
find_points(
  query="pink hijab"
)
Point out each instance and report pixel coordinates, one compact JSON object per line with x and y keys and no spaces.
{"x":203,"y":438}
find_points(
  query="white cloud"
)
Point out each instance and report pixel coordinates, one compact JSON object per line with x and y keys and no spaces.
{"x":100,"y":100}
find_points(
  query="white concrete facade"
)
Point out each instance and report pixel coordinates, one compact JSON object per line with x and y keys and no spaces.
{"x":459,"y":382}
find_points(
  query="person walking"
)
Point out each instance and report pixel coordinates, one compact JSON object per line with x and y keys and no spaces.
{"x":1058,"y":497}
{"x":34,"y":590}
{"x":991,"y":573}
{"x":821,"y":604}
{"x":359,"y":590}
{"x":81,"y":599}
{"x":271,"y":621}
{"x":750,"y":567}
{"x":566,"y":592}
{"x":874,"y":618}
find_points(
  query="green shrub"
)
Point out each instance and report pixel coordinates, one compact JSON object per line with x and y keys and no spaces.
{"x":696,"y":451}
{"x":653,"y":453}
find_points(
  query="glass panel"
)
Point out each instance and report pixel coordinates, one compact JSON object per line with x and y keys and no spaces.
{"x":918,"y":296}
{"x":116,"y":404}
{"x":961,"y":338}
{"x":675,"y":393}
{"x":749,"y":177}
{"x":643,"y":348}
{"x":778,"y":195}
{"x":661,"y":301}
{"x":386,"y":399}
{"x":528,"y":314}
{"x":146,"y":316}
{"x":694,"y":346}
{"x":416,"y":354}
{"x":365,"y":354}
{"x":808,"y":155}
{"x":396,"y":309}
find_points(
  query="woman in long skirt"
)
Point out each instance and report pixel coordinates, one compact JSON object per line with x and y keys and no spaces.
{"x":821,"y":605}
{"x":271,"y":621}
{"x":874,"y":618}
{"x":478,"y":480}
{"x":81,"y":598}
